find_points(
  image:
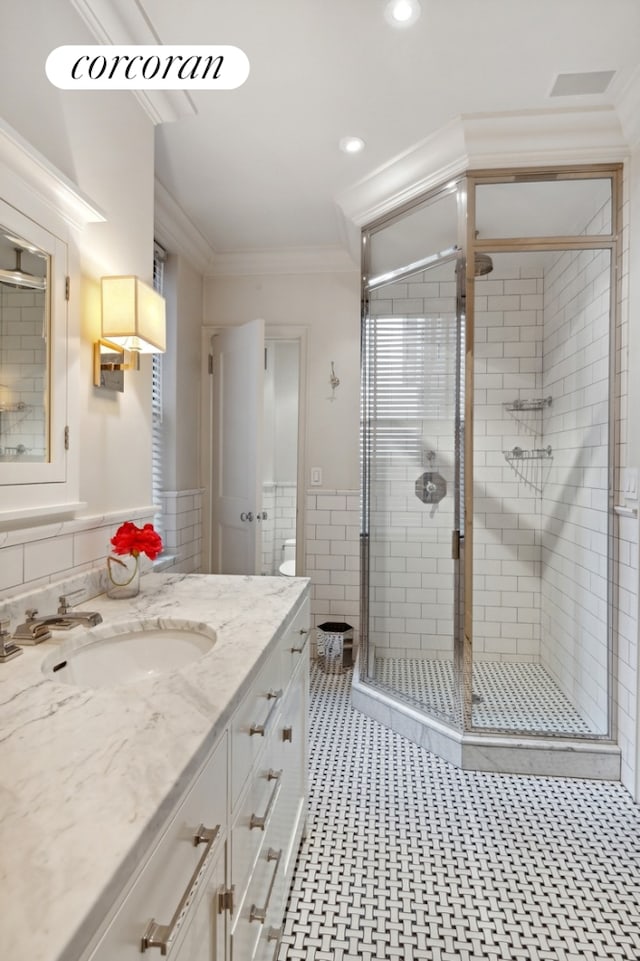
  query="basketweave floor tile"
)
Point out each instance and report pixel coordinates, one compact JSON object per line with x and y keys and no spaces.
{"x":409,"y":858}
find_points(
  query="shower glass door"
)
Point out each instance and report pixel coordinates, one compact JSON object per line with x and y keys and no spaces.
{"x":411,"y":441}
{"x":543,"y":453}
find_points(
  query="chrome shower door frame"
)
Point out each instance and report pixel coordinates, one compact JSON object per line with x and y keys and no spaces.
{"x":468,"y":245}
{"x":451,"y":254}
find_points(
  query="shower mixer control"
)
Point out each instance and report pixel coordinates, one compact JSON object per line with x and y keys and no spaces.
{"x":431,"y":487}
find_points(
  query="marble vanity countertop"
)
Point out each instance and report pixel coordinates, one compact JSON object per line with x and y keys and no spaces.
{"x":89,"y":777}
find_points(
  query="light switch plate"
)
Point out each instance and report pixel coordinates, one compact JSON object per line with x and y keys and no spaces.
{"x":316,"y":477}
{"x":630,"y":482}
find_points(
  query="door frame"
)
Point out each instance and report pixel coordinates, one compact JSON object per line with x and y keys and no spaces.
{"x":297,"y":333}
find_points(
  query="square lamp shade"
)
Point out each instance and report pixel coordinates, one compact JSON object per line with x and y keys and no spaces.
{"x":133,"y":315}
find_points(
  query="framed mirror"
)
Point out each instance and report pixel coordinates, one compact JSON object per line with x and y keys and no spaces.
{"x":25,"y":338}
{"x":33,"y":352}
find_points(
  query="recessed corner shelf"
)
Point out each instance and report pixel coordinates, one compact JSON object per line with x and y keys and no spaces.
{"x":537,"y":403}
{"x":518,"y":453}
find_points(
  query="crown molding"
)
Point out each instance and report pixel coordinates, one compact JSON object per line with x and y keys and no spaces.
{"x":628,"y":107}
{"x":122,"y":22}
{"x":31,"y":168}
{"x":424,"y":165}
{"x":543,"y":137}
{"x":174,"y":230}
{"x":285,"y":260}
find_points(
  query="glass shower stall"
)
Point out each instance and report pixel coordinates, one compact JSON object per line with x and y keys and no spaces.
{"x":488,"y":456}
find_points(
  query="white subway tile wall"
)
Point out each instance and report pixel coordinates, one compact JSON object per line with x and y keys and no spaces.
{"x":32,"y":558}
{"x":626,"y":571}
{"x":182,"y":530}
{"x":279,"y":504}
{"x":575,"y":498}
{"x":507,"y":490}
{"x":332,"y":556}
{"x":411,"y":570}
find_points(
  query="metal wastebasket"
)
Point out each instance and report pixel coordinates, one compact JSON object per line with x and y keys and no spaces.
{"x":335,"y":646}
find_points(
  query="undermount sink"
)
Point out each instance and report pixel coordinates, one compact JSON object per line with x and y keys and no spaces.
{"x":123,"y":654}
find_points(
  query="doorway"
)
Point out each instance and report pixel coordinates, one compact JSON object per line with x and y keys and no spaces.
{"x":253,"y":448}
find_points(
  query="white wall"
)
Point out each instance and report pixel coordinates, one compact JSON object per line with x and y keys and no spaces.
{"x":329,"y":305}
{"x":104,"y":143}
{"x":181,"y":375}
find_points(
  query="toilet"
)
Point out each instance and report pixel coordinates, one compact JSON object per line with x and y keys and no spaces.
{"x":288,"y":566}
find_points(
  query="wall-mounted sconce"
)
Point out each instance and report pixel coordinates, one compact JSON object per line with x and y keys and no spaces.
{"x":133,"y":323}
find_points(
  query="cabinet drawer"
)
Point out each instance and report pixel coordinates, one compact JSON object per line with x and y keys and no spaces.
{"x":290,"y":756}
{"x":252,"y":822}
{"x":203,"y":935}
{"x":253,"y":722}
{"x":263,"y":904}
{"x":173,"y":866}
{"x":294,"y":644}
{"x":269,"y":944}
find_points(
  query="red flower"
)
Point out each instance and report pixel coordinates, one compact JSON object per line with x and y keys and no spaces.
{"x":130,"y":539}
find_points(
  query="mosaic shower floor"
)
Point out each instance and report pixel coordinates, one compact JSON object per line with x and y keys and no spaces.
{"x":506,"y":695}
{"x":410,"y":859}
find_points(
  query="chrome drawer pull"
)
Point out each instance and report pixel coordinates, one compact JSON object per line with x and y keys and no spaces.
{"x":162,"y":935}
{"x":275,"y":934}
{"x":303,"y":632}
{"x":260,"y":914}
{"x":261,"y":822}
{"x":261,"y":729}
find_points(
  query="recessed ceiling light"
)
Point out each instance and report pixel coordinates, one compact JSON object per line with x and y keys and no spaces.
{"x":402,"y":13}
{"x":351,"y":144}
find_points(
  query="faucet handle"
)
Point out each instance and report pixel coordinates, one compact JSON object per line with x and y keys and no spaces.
{"x":8,"y":649}
{"x":30,"y":613}
{"x":64,"y":601}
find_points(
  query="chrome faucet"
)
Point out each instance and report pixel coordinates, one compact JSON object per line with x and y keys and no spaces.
{"x":37,"y":629}
{"x":88,"y":618}
{"x":34,"y":630}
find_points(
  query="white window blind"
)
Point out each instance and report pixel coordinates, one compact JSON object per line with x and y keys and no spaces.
{"x":411,"y":378}
{"x":157,"y":486}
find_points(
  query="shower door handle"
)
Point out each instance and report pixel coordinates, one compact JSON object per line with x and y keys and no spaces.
{"x":456,"y":539}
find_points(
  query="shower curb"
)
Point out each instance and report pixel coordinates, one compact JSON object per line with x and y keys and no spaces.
{"x":506,"y":754}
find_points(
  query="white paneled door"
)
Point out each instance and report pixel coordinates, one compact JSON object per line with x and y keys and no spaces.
{"x":236,"y":469}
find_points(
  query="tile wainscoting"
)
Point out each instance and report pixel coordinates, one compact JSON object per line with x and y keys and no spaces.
{"x":182,"y":530}
{"x":332,"y":556}
{"x":33,"y":557}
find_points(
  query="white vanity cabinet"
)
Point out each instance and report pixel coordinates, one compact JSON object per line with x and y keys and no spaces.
{"x":215,"y":886}
{"x":268,"y":818}
{"x":169,"y":905}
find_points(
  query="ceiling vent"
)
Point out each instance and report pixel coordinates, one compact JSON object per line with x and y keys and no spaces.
{"x":580,"y":84}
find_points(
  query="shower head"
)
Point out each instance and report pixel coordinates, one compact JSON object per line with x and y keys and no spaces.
{"x":483,"y":264}
{"x":19,"y":277}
